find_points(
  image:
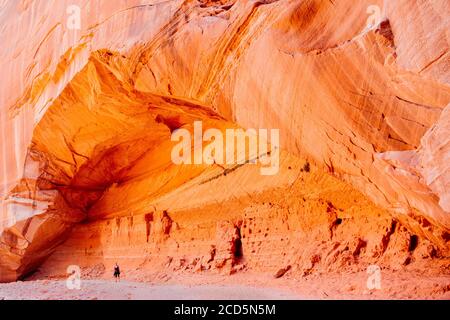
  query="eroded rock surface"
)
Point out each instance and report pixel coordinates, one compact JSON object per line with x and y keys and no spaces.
{"x":86,"y":117}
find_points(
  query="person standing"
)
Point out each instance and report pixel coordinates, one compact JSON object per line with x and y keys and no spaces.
{"x":116,"y":272}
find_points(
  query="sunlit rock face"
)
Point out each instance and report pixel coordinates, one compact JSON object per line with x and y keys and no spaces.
{"x":361,"y":90}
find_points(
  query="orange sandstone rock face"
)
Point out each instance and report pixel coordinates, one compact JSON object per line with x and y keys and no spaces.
{"x":87,"y":114}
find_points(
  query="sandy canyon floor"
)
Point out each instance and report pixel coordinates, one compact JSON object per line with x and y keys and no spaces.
{"x":404,"y":284}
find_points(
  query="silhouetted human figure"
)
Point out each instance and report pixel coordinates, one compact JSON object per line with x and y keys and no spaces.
{"x":117,"y":272}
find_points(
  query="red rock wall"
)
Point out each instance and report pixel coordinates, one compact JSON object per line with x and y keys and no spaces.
{"x":86,"y":114}
{"x":314,"y":225}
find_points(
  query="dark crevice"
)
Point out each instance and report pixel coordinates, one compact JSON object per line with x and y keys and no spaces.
{"x":413,"y":242}
{"x":238,"y":250}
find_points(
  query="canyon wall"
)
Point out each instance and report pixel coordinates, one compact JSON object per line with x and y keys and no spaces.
{"x":358,"y":90}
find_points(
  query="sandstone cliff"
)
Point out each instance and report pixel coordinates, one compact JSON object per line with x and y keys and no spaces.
{"x":361,"y":91}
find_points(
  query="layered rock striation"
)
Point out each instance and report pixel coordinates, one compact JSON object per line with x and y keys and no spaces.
{"x":359,"y":91}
